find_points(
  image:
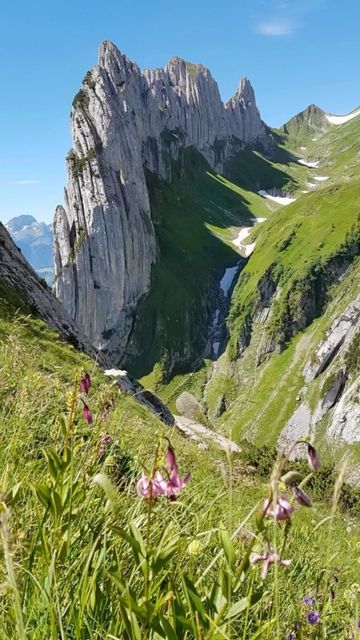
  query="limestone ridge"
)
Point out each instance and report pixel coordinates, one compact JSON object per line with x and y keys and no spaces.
{"x":124,"y":121}
{"x":24,"y":286}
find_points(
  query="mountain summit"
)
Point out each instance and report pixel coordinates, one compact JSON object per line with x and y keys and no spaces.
{"x":35,"y":239}
{"x":126,"y":124}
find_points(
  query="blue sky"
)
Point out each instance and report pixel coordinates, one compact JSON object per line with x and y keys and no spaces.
{"x":294,"y":51}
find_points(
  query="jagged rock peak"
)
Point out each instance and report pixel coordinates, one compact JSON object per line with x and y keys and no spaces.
{"x":125,"y":122}
{"x":310,"y":120}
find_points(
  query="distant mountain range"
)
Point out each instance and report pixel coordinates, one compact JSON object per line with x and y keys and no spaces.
{"x":35,"y":239}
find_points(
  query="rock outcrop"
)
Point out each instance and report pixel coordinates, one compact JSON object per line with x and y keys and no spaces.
{"x":126,"y":122}
{"x":335,"y":363}
{"x":32,"y":294}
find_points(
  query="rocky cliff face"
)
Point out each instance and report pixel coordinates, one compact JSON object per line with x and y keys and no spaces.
{"x":27,"y":290}
{"x":125,"y":121}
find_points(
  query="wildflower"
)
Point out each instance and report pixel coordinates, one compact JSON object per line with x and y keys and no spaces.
{"x":301,"y":497}
{"x":194,"y":548}
{"x":101,"y":452}
{"x":310,"y":601}
{"x":174,"y":483}
{"x":313,"y":617}
{"x":87,"y":415}
{"x":270,"y":557}
{"x":106,"y":440}
{"x":170,"y":458}
{"x":151,"y":487}
{"x":358,"y":624}
{"x":313,"y":458}
{"x":282,"y":511}
{"x":291,"y":636}
{"x":85,"y":383}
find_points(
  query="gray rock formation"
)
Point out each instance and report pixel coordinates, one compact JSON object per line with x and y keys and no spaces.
{"x":28,"y":290}
{"x":340,"y":334}
{"x":187,"y":405}
{"x":125,"y":121}
{"x":339,"y":389}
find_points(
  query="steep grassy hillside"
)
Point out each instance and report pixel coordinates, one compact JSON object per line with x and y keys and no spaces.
{"x":83,"y":556}
{"x":302,"y":275}
{"x":197,"y":217}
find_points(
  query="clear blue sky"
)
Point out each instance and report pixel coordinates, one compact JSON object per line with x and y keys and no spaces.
{"x":294,"y":51}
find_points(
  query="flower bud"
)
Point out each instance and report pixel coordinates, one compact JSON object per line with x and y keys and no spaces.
{"x":292,"y":478}
{"x":85,"y":383}
{"x":170,"y":458}
{"x":313,"y":458}
{"x":301,"y":497}
{"x":87,"y":415}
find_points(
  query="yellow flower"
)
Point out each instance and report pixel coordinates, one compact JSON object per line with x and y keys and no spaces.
{"x":194,"y":548}
{"x":349,"y":595}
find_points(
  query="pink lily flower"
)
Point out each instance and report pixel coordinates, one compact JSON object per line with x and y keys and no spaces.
{"x":268,"y":558}
{"x":313,"y":458}
{"x":170,"y":458}
{"x":85,"y":383}
{"x":301,"y":496}
{"x":174,"y":483}
{"x":282,"y":511}
{"x":87,"y":415}
{"x":151,"y":487}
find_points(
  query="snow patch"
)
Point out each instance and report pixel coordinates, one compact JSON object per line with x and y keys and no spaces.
{"x":310,"y":164}
{"x":284,"y":200}
{"x":302,"y":148}
{"x":304,"y":191}
{"x":238,"y":242}
{"x":342,"y":119}
{"x":321,"y":178}
{"x":248,"y":249}
{"x":311,"y":185}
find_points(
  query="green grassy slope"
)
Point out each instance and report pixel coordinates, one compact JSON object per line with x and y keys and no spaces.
{"x":75,"y":563}
{"x":196,"y":218}
{"x":305,"y":247}
{"x":309,"y":252}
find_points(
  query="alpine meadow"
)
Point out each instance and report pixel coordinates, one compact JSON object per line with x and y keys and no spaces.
{"x":179,"y":397}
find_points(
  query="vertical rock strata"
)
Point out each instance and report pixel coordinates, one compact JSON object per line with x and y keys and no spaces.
{"x":123,"y":121}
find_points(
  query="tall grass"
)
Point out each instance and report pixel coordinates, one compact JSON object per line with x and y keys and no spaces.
{"x":85,"y":557}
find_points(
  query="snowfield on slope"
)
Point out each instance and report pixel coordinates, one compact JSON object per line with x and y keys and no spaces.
{"x":308,"y":163}
{"x":284,"y":200}
{"x":342,"y":119}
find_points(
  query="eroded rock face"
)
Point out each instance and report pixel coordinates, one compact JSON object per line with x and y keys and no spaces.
{"x":18,"y":277}
{"x":340,"y":334}
{"x":125,"y":121}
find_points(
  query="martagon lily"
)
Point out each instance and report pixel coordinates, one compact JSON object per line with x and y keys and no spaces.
{"x":85,"y":383}
{"x":174,"y":483}
{"x":267,"y":559}
{"x":282,"y":510}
